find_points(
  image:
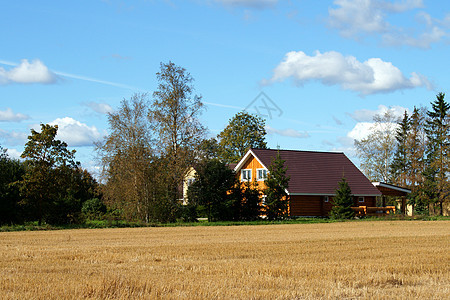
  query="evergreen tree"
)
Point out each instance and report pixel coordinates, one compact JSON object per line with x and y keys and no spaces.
{"x":277,"y":183}
{"x":401,"y":163}
{"x":251,"y":202}
{"x":210,"y":189}
{"x":415,"y":149}
{"x":438,"y":147}
{"x":343,"y":201}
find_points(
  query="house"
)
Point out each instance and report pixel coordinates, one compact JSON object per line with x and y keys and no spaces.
{"x":314,"y":177}
{"x":400,"y":193}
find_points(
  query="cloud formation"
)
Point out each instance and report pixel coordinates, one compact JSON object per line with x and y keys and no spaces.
{"x":366,"y":115}
{"x":359,"y":18}
{"x":75,"y":133}
{"x":332,"y":68}
{"x":13,"y":138}
{"x":259,"y":4}
{"x":101,"y":108}
{"x":26,"y":72}
{"x":287,"y":132}
{"x":9,"y":116}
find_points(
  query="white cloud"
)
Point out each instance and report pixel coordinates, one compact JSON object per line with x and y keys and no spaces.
{"x":26,"y":72}
{"x":364,"y":129}
{"x":13,"y":153}
{"x":366,"y":115}
{"x":332,"y":68}
{"x":358,"y":18}
{"x":75,"y":133}
{"x":287,"y":132}
{"x":9,"y":116}
{"x":13,"y":138}
{"x":260,"y":4}
{"x":101,"y":108}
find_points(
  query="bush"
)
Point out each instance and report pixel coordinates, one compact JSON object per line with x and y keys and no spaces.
{"x":93,"y":209}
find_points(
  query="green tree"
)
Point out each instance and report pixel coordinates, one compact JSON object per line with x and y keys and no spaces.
{"x":415,"y":149}
{"x":11,"y":171}
{"x":401,"y":162}
{"x":128,"y":159}
{"x":342,"y":202}
{"x":438,"y":147}
{"x":44,"y":157}
{"x":243,"y":132}
{"x":174,"y":117}
{"x":251,"y":202}
{"x":277,"y":183}
{"x":213,"y":182}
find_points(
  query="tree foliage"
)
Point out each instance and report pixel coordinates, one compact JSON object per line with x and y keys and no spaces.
{"x":47,"y":160}
{"x":213,"y":182}
{"x":438,"y":149}
{"x":174,"y":117}
{"x":377,"y":150}
{"x":243,"y":132}
{"x":343,"y":201}
{"x":277,"y":183}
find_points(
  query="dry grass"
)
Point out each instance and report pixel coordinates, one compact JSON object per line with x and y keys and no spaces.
{"x":384,"y":260}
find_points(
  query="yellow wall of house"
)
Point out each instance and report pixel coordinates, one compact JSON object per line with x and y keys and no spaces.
{"x":190,"y":174}
{"x":253,"y":164}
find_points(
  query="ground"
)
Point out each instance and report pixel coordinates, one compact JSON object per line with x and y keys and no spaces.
{"x":382,"y":259}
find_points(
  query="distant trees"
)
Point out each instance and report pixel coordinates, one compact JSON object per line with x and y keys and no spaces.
{"x":11,"y":171}
{"x":413,"y":153}
{"x":343,"y":201}
{"x":243,"y":132}
{"x":277,"y":183}
{"x":376,"y":151}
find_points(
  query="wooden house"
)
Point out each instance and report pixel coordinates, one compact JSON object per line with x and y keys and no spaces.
{"x":314,"y":177}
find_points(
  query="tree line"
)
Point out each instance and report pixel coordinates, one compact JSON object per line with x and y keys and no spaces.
{"x":150,"y":146}
{"x":412,"y":152}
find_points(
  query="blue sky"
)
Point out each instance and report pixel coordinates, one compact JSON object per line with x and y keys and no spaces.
{"x":328,"y":66}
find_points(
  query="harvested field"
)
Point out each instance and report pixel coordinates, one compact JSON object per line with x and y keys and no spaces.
{"x":384,"y":260}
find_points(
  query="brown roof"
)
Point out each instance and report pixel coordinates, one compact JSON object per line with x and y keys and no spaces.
{"x":318,"y":172}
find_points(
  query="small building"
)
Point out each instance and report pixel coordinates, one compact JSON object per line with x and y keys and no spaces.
{"x":400,"y":193}
{"x":314,"y":178}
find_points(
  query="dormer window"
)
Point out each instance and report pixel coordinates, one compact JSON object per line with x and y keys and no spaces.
{"x":261,"y":174}
{"x":246,"y":175}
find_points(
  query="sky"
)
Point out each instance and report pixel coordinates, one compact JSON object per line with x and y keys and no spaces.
{"x":317,"y":71}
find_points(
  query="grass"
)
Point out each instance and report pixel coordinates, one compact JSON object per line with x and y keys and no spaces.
{"x":381,"y":260}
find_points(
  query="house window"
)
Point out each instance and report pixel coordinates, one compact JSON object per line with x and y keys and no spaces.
{"x":360,"y":199}
{"x":264,"y":197}
{"x":326,"y":199}
{"x":261,"y":174}
{"x":246,"y":175}
{"x":190,"y":181}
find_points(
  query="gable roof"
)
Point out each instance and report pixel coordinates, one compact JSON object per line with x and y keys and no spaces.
{"x":315,"y":173}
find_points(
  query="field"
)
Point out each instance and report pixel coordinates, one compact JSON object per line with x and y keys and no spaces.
{"x":381,"y":260}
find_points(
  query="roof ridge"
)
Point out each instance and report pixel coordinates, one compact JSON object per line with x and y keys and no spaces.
{"x":293,"y":150}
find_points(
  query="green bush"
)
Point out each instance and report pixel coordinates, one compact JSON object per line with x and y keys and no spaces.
{"x":93,"y":209}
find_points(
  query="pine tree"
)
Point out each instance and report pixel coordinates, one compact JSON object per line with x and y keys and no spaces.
{"x":343,"y":201}
{"x":401,"y":162}
{"x":415,"y":149}
{"x":277,"y":183}
{"x":251,"y":202}
{"x":438,"y":147}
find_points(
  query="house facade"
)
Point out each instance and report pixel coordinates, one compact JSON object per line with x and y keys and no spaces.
{"x":314,"y":177}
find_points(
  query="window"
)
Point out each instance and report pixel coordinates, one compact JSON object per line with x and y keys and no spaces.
{"x":264,"y":197}
{"x":246,"y":175}
{"x":190,"y":181}
{"x":326,"y":199}
{"x":261,"y":174}
{"x":360,"y":199}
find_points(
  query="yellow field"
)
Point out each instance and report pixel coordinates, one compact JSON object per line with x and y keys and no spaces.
{"x":382,"y":260}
